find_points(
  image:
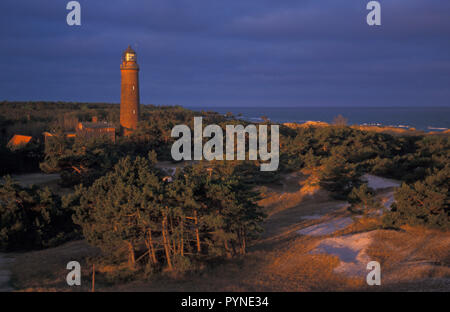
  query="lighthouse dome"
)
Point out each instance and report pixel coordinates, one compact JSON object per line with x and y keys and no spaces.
{"x":129,"y":55}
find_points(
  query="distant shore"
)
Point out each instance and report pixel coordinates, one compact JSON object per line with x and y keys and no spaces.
{"x":375,"y":128}
{"x":425,"y":119}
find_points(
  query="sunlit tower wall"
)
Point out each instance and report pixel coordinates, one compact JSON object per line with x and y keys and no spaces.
{"x":129,"y":96}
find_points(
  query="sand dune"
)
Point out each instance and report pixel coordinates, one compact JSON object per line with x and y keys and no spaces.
{"x":351,"y":251}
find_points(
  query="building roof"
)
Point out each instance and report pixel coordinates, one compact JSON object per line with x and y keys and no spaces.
{"x":95,"y":125}
{"x":67,"y":134}
{"x":18,"y":140}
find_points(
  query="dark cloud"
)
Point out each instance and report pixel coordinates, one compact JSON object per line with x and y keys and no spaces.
{"x":237,"y":53}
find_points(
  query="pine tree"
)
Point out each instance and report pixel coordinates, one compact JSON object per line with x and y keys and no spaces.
{"x":425,"y":203}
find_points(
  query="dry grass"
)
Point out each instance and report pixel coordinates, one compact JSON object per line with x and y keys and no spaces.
{"x":286,"y":268}
{"x":416,"y":259}
{"x":363,"y":224}
{"x":412,"y":259}
{"x":45,"y":270}
{"x":293,"y":268}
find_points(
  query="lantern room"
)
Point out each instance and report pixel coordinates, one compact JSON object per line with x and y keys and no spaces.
{"x":129,"y":55}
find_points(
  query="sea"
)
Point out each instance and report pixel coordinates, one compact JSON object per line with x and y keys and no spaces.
{"x":421,"y":118}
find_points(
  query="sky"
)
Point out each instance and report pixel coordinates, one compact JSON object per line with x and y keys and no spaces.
{"x":236,"y":53}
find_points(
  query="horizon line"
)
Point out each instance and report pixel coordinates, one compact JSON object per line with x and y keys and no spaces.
{"x":232,"y":107}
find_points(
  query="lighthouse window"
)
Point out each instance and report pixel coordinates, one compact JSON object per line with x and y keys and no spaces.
{"x":133,"y":88}
{"x":134,"y":111}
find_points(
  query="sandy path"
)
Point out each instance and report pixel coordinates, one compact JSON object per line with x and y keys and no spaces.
{"x":326,"y":228}
{"x":351,"y":249}
{"x":26,"y":180}
{"x":376,"y":182}
{"x":5,"y":273}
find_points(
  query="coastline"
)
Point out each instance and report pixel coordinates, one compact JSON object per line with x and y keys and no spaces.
{"x":421,"y":119}
{"x":364,"y":127}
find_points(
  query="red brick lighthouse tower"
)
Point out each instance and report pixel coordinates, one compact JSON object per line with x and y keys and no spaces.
{"x":129,"y":97}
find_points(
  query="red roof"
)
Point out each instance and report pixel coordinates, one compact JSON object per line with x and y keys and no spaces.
{"x":18,"y":140}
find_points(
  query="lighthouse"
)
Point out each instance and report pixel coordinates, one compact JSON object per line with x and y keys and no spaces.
{"x":129,"y":96}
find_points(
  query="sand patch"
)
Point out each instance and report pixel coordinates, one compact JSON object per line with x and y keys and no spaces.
{"x":351,"y":251}
{"x":376,"y":182}
{"x":379,"y":183}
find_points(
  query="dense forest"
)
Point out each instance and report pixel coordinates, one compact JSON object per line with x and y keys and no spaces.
{"x":122,"y":202}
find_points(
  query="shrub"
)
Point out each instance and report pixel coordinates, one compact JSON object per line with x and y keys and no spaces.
{"x":423,"y":203}
{"x":31,"y":217}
